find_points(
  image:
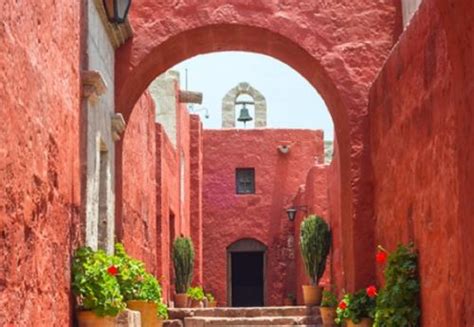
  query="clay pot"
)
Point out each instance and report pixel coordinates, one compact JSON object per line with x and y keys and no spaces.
{"x":90,"y":319}
{"x":365,"y":322}
{"x":212,"y":304}
{"x":288,"y":302}
{"x":147,"y":312}
{"x":197,"y":304}
{"x":328,"y":315}
{"x":312,"y":294}
{"x":181,"y":300}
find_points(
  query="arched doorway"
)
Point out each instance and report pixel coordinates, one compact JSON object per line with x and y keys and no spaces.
{"x":246,"y":261}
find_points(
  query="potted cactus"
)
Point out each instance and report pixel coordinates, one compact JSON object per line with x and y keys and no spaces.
{"x":140,"y":289}
{"x":97,"y":290}
{"x":183,"y":261}
{"x":315,"y":242}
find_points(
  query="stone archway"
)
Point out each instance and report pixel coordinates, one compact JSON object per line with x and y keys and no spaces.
{"x":228,"y":105}
{"x":338,"y":47}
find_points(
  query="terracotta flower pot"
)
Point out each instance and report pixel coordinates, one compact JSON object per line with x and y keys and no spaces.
{"x":365,"y":322}
{"x":328,"y":315}
{"x":312,"y":294}
{"x":90,"y":319}
{"x":212,"y":304}
{"x":196,"y":304}
{"x":181,"y":300}
{"x":147,"y":312}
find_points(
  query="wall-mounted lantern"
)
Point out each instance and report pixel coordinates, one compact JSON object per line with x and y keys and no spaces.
{"x":291,"y":212}
{"x":117,"y":10}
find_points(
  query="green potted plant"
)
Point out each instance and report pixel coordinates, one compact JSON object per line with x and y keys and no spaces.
{"x":289,"y":300}
{"x":328,"y":308}
{"x":211,"y":301}
{"x":196,"y":294}
{"x":162,"y":311}
{"x":357,"y":310}
{"x":96,"y":287}
{"x":140,"y":289}
{"x":183,"y":261}
{"x":397,"y":302}
{"x":315,"y":242}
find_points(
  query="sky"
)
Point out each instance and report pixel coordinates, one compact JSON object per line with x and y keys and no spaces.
{"x":291,"y":101}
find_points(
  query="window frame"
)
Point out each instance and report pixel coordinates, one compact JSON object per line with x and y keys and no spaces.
{"x":249,"y":185}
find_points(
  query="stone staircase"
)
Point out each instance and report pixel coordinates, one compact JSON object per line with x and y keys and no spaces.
{"x":255,"y":316}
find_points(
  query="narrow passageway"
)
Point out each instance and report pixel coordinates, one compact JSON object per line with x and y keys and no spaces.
{"x":137,"y":175}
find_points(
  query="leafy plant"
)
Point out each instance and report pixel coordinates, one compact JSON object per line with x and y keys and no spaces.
{"x":315,"y":242}
{"x":94,"y":282}
{"x":210,"y":297}
{"x":195,"y":293}
{"x":329,"y":299}
{"x":135,"y":282}
{"x":397,"y":303}
{"x":183,"y":261}
{"x":162,"y":311}
{"x":355,"y":307}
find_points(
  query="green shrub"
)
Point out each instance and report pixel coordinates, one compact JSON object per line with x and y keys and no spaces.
{"x":94,"y":282}
{"x":397,"y":303}
{"x":210,"y":297}
{"x":329,"y":300}
{"x":195,"y":293}
{"x":162,"y":311}
{"x":183,"y":261}
{"x":357,"y":306}
{"x":315,"y":242}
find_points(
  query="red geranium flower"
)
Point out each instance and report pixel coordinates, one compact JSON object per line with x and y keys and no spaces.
{"x":371,"y":291}
{"x":112,"y":270}
{"x":342,"y":305}
{"x":381,"y":257}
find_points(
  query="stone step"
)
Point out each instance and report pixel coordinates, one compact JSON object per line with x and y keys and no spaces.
{"x":292,"y":311}
{"x":173,"y":323}
{"x":252,"y":321}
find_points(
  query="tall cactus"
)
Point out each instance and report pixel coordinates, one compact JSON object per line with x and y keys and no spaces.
{"x":315,"y":242}
{"x":183,"y":260}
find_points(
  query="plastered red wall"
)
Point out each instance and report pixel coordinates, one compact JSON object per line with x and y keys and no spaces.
{"x":228,"y":217}
{"x":139,"y":184}
{"x":421,"y":113}
{"x":40,"y":184}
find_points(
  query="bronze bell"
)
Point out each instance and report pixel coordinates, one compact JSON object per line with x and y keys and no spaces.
{"x":244,"y":115}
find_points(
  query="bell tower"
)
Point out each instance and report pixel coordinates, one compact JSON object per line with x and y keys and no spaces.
{"x":231,"y":101}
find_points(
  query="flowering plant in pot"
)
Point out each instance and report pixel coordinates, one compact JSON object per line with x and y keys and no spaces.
{"x":96,"y":287}
{"x":211,"y":300}
{"x":196,"y":294}
{"x":140,"y":289}
{"x":328,"y":308}
{"x":397,"y":302}
{"x":183,"y":262}
{"x":357,"y":309}
{"x":315,"y":242}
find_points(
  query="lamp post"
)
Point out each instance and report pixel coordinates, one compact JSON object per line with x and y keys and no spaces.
{"x":117,"y":10}
{"x":291,"y":212}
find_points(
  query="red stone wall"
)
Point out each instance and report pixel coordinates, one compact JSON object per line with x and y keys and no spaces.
{"x":421,"y":110}
{"x":228,"y":217}
{"x":39,"y":160}
{"x":139,"y":184}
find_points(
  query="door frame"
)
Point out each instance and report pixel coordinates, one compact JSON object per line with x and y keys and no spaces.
{"x":246,"y":245}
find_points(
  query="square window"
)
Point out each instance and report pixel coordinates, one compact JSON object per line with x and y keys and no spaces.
{"x":245,"y":180}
